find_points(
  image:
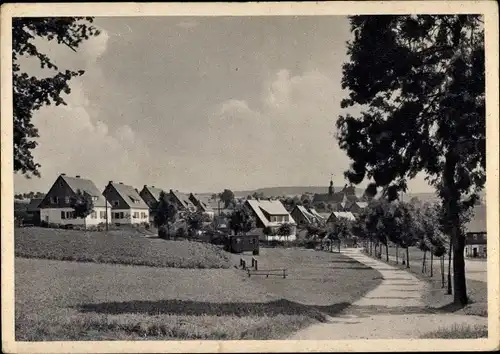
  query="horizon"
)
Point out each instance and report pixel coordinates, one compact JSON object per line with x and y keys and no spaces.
{"x":207,"y":103}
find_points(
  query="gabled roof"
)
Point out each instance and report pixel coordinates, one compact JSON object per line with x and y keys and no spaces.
{"x":33,"y":204}
{"x":362,"y":205}
{"x":85,"y":186}
{"x":183,"y":198}
{"x":306,"y":213}
{"x":271,"y":207}
{"x":342,"y":214}
{"x":315,"y":213}
{"x":130,"y":195}
{"x":204,"y":201}
{"x":155,"y":192}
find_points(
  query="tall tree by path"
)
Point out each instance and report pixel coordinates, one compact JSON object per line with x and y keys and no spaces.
{"x":31,"y":93}
{"x":419,"y":81}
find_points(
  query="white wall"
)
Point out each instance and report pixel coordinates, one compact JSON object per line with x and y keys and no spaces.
{"x":128,"y":216}
{"x":53,"y":216}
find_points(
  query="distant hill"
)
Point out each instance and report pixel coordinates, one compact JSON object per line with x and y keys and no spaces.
{"x":293,"y":190}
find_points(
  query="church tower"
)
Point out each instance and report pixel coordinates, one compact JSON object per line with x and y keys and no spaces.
{"x":331,"y":190}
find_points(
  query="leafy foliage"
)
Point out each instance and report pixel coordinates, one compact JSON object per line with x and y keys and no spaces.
{"x":284,"y":229}
{"x":31,"y":93}
{"x":165,"y":214}
{"x":194,"y":221}
{"x":82,"y":204}
{"x":227,"y":196}
{"x":241,"y":221}
{"x":420,"y":83}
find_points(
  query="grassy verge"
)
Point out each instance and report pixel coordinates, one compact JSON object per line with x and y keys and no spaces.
{"x":117,"y":247}
{"x":436,"y":296}
{"x":459,"y":332}
{"x":86,"y":301}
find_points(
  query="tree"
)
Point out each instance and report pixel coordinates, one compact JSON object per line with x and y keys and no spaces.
{"x":165,"y":214}
{"x":227,"y":197}
{"x":420,"y":83}
{"x":82,"y":205}
{"x":340,"y":230}
{"x":241,"y":221}
{"x":194,"y":222}
{"x":31,"y":93}
{"x":285,"y":230}
{"x":181,"y":233}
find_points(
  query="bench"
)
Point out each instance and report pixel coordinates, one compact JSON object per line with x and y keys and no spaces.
{"x":268,"y":272}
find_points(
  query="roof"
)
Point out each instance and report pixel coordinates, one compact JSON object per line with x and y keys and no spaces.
{"x":309,"y":216}
{"x":183,"y":198}
{"x":272,"y":207}
{"x":130,"y":195}
{"x":478,"y":220}
{"x":155,"y":192}
{"x":86,"y":186}
{"x":343,"y":214}
{"x":316,"y":214}
{"x":204,"y":200}
{"x":362,"y":205}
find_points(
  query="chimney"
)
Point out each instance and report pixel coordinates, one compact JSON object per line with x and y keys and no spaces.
{"x":153,"y":186}
{"x":136,"y":190}
{"x":145,"y":186}
{"x":63,"y":174}
{"x":110,"y":182}
{"x":77,"y":176}
{"x":120,"y":182}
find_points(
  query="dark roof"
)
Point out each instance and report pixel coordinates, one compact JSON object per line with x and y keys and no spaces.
{"x":183,"y":198}
{"x":130,"y":196}
{"x":155,"y":192}
{"x":85,"y":186}
{"x":204,"y":201}
{"x":478,"y":220}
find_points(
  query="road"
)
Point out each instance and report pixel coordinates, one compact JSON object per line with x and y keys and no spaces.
{"x":393,"y":310}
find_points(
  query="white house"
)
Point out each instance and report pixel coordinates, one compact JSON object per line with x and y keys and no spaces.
{"x":56,"y":207}
{"x":271,"y":213}
{"x":127,"y":205}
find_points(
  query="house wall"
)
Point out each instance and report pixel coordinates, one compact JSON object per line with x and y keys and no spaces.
{"x":129,"y":216}
{"x":54,"y":216}
{"x":299,"y":217}
{"x":480,"y":249}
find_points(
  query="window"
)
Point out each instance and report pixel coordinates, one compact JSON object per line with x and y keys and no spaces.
{"x":95,"y":198}
{"x":94,"y":215}
{"x":66,"y":200}
{"x":63,"y":215}
{"x":115,"y":202}
{"x":54,"y":200}
{"x":70,"y":215}
{"x":102,"y":215}
{"x":121,"y":215}
{"x":136,"y":215}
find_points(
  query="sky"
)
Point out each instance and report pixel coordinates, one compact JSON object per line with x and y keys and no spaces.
{"x":199,"y":104}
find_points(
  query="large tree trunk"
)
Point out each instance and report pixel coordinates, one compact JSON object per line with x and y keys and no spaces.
{"x":371,"y":248}
{"x":407,"y":257}
{"x":459,"y":283}
{"x":442,"y":271}
{"x":397,"y":254}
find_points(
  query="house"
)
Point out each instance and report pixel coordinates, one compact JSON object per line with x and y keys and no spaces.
{"x":271,"y":213}
{"x":336,"y":215}
{"x":182,"y":201}
{"x":357,"y":207}
{"x":304,"y":216}
{"x":475,"y":237}
{"x":336,"y":201}
{"x":151,"y":196}
{"x":127,"y":205}
{"x":55,"y":207}
{"x":203,"y":203}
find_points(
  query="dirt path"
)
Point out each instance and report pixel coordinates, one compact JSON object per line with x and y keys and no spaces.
{"x":393,"y":310}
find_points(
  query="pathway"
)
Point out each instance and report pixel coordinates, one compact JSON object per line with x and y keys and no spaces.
{"x":393,"y":310}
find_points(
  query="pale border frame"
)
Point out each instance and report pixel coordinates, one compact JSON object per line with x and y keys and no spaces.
{"x":490,"y":11}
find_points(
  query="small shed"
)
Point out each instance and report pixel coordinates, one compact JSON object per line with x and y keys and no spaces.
{"x":243,"y":243}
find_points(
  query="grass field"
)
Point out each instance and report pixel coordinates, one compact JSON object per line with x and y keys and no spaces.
{"x":117,"y":247}
{"x":86,"y":301}
{"x":436,"y":296}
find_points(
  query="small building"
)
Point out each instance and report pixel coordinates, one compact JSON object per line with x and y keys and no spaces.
{"x":127,"y":205}
{"x":303,"y":216}
{"x":55,"y":207}
{"x":336,"y":215}
{"x":475,"y":237}
{"x":243,"y":243}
